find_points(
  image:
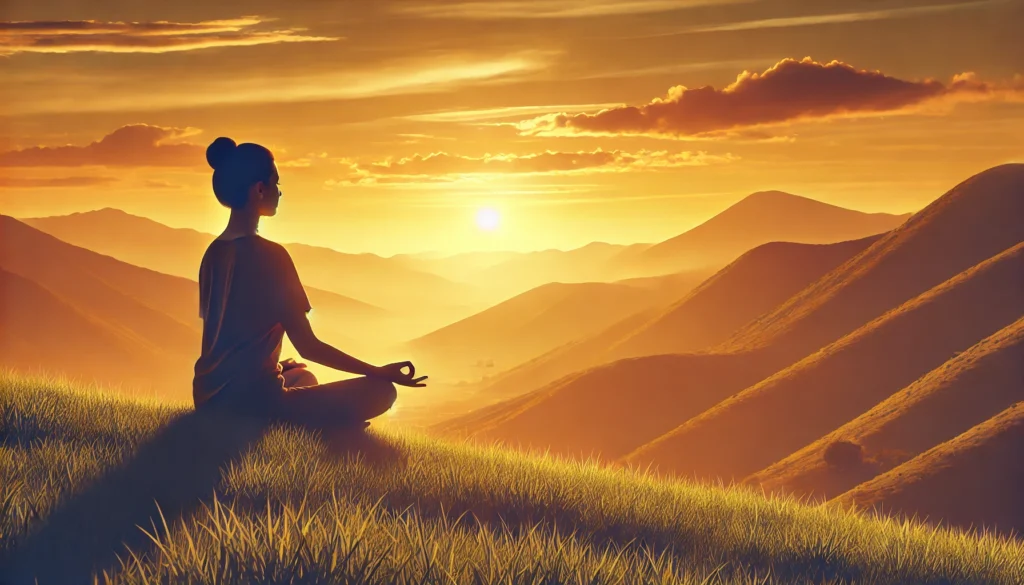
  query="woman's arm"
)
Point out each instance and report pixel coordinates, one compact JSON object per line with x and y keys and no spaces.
{"x":310,"y":347}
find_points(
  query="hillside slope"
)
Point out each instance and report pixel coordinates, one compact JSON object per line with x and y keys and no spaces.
{"x":973,"y":480}
{"x":965,"y":391}
{"x":244,"y":503}
{"x":795,"y":406}
{"x":537,"y":321}
{"x":387,"y":283}
{"x":974,"y":221}
{"x":611,"y":409}
{"x":769,"y":216}
{"x":754,"y":283}
{"x":39,"y":330}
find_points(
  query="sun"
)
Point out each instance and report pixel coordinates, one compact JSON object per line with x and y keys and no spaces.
{"x":487,"y":218}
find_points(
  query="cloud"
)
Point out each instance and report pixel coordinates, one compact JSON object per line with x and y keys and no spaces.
{"x":536,"y":9}
{"x":843,"y":17}
{"x":788,"y":91}
{"x":445,"y":167}
{"x":68,"y":36}
{"x":423,"y":74}
{"x":134,"y":145}
{"x":502,"y":112}
{"x":34,"y":183}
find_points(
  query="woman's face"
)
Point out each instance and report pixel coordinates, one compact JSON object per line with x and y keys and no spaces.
{"x":269,"y":193}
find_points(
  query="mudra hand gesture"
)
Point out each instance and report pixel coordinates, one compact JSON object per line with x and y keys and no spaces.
{"x":393,"y":373}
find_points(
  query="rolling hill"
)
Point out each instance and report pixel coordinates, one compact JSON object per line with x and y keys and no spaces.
{"x":781,"y":414}
{"x":769,"y":216}
{"x":535,"y":322}
{"x":41,"y":332}
{"x":971,"y":481}
{"x":390,"y":284}
{"x":974,"y":221}
{"x":156,"y":312}
{"x":965,"y":391}
{"x":611,"y":409}
{"x":753,"y":284}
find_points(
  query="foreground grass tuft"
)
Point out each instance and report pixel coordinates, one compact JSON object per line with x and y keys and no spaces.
{"x":113,"y":490}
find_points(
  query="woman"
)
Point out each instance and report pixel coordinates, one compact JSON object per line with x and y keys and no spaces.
{"x":250,"y":296}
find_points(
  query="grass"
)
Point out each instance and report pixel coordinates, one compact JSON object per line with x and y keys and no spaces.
{"x":112,"y":490}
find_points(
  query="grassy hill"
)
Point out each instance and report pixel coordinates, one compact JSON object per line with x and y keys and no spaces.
{"x":781,"y":414}
{"x":204,"y":499}
{"x":971,"y":479}
{"x":964,"y":391}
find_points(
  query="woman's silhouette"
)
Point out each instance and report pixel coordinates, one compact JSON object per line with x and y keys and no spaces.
{"x":250,"y":296}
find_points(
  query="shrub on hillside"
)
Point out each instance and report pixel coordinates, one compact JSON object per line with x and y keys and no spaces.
{"x":844,"y":455}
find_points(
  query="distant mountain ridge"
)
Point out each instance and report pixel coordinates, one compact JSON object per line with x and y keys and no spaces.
{"x":759,"y":218}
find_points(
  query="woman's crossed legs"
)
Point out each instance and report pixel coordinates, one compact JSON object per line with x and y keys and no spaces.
{"x":349,"y":401}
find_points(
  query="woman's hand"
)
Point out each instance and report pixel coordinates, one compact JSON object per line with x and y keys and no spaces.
{"x":393,"y":373}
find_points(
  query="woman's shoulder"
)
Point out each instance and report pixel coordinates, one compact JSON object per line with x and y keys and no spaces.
{"x":272,"y":248}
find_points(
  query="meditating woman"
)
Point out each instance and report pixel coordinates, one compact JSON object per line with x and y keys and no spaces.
{"x":250,"y":296}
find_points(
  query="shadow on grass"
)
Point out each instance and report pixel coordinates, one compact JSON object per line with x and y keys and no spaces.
{"x":179,"y":468}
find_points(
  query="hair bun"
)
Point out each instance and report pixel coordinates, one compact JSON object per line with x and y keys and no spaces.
{"x":219,"y":151}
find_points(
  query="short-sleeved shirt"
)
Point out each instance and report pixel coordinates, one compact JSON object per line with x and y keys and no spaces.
{"x":248,"y":287}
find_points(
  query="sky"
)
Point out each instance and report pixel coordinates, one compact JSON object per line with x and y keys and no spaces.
{"x":394,"y":123}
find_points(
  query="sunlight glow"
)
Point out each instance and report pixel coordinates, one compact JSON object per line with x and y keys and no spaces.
{"x":487,"y":218}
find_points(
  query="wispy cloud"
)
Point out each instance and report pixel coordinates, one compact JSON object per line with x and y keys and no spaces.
{"x":70,"y":36}
{"x":445,"y":167}
{"x":134,"y":145}
{"x":55,"y":182}
{"x":843,"y":17}
{"x":436,"y":74}
{"x":534,"y":9}
{"x":788,"y":91}
{"x":504,"y":112}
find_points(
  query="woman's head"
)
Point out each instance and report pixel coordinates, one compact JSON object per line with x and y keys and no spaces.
{"x":244,"y":175}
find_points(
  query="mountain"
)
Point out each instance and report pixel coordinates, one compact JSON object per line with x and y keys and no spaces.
{"x":39,"y":331}
{"x":972,"y":481}
{"x":506,"y":274}
{"x":538,"y":321}
{"x":781,"y":414}
{"x":974,"y":221}
{"x":155,"y":311}
{"x":178,"y":251}
{"x":970,"y":388}
{"x":769,"y":216}
{"x":531,"y":269}
{"x":753,"y":284}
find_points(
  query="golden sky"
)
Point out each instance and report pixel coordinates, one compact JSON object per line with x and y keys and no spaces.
{"x":394,"y":122}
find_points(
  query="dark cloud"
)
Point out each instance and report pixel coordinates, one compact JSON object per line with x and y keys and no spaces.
{"x":790,"y":90}
{"x":67,"y":36}
{"x":134,"y":145}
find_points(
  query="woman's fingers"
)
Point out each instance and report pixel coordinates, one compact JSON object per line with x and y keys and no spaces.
{"x":414,"y":382}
